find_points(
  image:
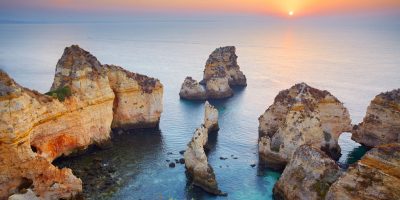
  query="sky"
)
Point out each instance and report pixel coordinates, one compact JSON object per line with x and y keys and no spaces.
{"x":27,"y":9}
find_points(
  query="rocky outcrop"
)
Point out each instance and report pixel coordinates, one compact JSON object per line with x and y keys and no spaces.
{"x":381,"y":125}
{"x":308,"y":175}
{"x":301,"y":115}
{"x":223,"y":63}
{"x":210,"y":117}
{"x":375,"y":176}
{"x":192,"y":90}
{"x":198,"y":168}
{"x":86,"y":99}
{"x":220,"y":74}
{"x":138,"y":99}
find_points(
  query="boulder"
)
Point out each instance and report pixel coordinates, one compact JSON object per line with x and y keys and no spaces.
{"x":192,"y":90}
{"x":301,"y":115}
{"x":375,"y":176}
{"x":308,"y":175}
{"x":381,"y":125}
{"x":210,"y":117}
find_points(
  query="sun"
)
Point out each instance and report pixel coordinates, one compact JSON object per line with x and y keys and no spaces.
{"x":291,"y":13}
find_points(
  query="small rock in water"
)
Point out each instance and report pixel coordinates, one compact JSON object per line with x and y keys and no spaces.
{"x":222,"y":158}
{"x":182,"y":152}
{"x":182,"y":161}
{"x":172,"y":165}
{"x":169,"y":153}
{"x":176,"y":161}
{"x":235,"y":158}
{"x":167,"y":160}
{"x":253,"y":165}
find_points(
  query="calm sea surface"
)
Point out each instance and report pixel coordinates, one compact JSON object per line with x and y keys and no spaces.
{"x":353,"y":62}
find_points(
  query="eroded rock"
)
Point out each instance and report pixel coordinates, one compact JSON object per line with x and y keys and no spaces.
{"x":86,"y":99}
{"x":198,"y":168}
{"x":375,"y":176}
{"x":308,"y":175}
{"x":381,"y":125}
{"x":192,"y":90}
{"x":220,"y":74}
{"x":301,"y":115}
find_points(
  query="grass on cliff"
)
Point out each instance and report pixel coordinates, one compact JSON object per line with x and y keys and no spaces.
{"x":60,"y":93}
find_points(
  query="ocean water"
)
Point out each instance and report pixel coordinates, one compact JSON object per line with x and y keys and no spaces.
{"x":353,"y":62}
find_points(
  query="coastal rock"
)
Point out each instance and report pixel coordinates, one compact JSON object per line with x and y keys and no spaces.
{"x":301,"y":115}
{"x":192,"y":90}
{"x":220,"y":74}
{"x":84,"y":101}
{"x":375,"y":176}
{"x":308,"y":175}
{"x":381,"y":125}
{"x":198,"y":168}
{"x":22,"y":112}
{"x":138,"y":99}
{"x":210,"y":117}
{"x":223,"y":62}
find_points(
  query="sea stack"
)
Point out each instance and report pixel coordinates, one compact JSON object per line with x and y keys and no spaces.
{"x":198,"y":168}
{"x":86,"y":100}
{"x":301,"y":115}
{"x":381,"y":125}
{"x":220,"y":74}
{"x":375,"y":176}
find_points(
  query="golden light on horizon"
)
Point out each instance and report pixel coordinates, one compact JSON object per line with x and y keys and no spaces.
{"x":291,"y":13}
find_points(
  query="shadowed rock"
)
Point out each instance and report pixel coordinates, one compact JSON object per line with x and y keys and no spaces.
{"x":381,"y":125}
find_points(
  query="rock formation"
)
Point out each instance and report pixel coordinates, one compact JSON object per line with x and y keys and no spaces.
{"x":308,"y":175}
{"x":196,"y":162}
{"x":192,"y":90}
{"x":86,"y":99}
{"x":301,"y":115}
{"x":223,"y":63}
{"x":210,"y":117}
{"x":381,"y":125}
{"x":375,"y":176}
{"x":220,"y":73}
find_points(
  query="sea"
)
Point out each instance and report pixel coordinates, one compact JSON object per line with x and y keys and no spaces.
{"x":353,"y":60}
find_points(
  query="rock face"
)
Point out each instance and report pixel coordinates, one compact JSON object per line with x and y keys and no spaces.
{"x":138,"y":99}
{"x":375,"y":176}
{"x":220,"y":73}
{"x":301,"y":115}
{"x":191,"y":89}
{"x":35,"y":128}
{"x":308,"y":175}
{"x":195,"y":157}
{"x":210,"y":117}
{"x":381,"y":125}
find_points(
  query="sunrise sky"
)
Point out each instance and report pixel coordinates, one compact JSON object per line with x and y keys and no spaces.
{"x":279,"y":8}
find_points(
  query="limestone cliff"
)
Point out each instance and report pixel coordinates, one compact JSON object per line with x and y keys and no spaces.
{"x":86,"y":99}
{"x":301,"y":115}
{"x":22,"y":113}
{"x":381,"y":125}
{"x":220,"y":73}
{"x":308,"y":175}
{"x":138,"y":99}
{"x":198,"y":168}
{"x":375,"y":176}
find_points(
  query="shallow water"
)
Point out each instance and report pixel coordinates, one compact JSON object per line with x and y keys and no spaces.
{"x":354,"y":63}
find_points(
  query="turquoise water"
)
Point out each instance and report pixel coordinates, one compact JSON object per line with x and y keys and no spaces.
{"x":353,"y":62}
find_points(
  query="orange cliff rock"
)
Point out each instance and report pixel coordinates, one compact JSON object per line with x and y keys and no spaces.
{"x":100,"y":97}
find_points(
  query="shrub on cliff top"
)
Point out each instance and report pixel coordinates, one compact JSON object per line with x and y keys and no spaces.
{"x":60,"y":93}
